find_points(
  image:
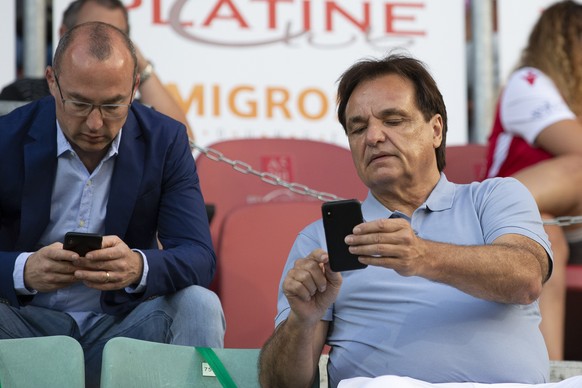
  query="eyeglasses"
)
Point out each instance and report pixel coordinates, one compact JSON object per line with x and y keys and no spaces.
{"x":83,"y":109}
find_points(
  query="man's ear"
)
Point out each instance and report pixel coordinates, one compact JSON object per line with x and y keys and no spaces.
{"x":437,"y":130}
{"x":136,"y":86}
{"x":49,"y":74}
{"x":62,"y":30}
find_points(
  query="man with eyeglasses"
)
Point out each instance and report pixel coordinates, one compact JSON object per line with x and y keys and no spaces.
{"x":90,"y":159}
{"x":152,"y":90}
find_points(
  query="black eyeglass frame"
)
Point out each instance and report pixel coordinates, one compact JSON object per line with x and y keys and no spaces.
{"x":89,"y":106}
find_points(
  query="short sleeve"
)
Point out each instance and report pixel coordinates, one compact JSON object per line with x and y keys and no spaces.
{"x":530,"y":103}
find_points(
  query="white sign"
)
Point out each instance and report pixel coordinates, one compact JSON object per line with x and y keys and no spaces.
{"x":268,"y":68}
{"x":8,"y":43}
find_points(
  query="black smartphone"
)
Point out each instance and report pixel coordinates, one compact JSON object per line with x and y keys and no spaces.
{"x":339,"y":220}
{"x":82,"y":243}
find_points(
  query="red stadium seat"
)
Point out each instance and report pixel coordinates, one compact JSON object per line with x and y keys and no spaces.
{"x":256,"y":240}
{"x":321,"y":166}
{"x":574,"y":277}
{"x":465,"y":163}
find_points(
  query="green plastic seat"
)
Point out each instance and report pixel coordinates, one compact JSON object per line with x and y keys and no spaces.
{"x":132,"y":363}
{"x":55,"y":361}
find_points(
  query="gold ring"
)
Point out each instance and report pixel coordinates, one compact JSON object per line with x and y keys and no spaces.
{"x":107,"y":277}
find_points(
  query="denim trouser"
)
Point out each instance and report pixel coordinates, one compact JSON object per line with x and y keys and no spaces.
{"x":192,"y":316}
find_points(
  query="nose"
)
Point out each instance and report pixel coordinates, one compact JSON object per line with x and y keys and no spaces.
{"x":95,"y":118}
{"x":375,"y":133}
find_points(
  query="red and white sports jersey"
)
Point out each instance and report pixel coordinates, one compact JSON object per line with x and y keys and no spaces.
{"x":529,"y":103}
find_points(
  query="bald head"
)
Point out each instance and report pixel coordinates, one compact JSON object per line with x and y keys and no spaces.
{"x":98,"y":40}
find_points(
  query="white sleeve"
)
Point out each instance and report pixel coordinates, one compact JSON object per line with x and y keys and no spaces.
{"x":530,"y":103}
{"x":18,"y":275}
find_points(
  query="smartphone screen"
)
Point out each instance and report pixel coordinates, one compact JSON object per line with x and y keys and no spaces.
{"x":339,"y":220}
{"x":81,"y":243}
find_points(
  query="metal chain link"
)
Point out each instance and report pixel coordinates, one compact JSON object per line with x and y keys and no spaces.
{"x":272,"y":179}
{"x":564,"y":221}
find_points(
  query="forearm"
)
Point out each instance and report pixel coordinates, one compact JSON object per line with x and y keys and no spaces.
{"x":555,"y":185}
{"x":503,"y":272}
{"x":290,"y":357}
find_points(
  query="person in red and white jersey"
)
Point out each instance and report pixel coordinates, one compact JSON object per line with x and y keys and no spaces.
{"x":537,"y":138}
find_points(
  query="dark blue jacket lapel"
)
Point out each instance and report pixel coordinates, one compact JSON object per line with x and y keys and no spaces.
{"x":40,"y":163}
{"x":127,"y":176}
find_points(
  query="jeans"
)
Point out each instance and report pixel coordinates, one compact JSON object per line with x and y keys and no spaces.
{"x":192,"y":316}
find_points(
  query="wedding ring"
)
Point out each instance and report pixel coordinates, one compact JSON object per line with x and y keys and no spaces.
{"x":106,"y":276}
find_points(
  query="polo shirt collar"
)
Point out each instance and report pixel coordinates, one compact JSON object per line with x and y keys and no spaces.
{"x":441,"y":198}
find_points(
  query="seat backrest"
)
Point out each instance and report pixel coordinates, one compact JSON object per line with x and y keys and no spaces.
{"x":256,"y":240}
{"x":466,"y":163}
{"x":54,"y":361}
{"x":132,"y":363}
{"x":574,"y":277}
{"x":323,"y":167}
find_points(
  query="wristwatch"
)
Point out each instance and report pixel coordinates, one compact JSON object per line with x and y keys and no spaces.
{"x":146,"y":72}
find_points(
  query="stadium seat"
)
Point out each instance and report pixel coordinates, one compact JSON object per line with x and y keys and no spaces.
{"x":574,"y":277}
{"x":131,"y":363}
{"x":256,"y":240}
{"x":323,"y":167}
{"x":466,"y":163}
{"x":48,"y":362}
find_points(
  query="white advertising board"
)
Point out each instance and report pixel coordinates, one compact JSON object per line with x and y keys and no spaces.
{"x":268,"y":68}
{"x":8,"y":42}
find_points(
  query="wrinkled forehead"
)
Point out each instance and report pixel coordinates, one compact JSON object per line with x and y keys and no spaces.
{"x":388,"y":88}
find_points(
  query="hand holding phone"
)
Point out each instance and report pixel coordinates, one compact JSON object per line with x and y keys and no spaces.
{"x":82,"y":243}
{"x":339,"y":220}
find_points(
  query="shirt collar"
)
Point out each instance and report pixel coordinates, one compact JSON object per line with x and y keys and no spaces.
{"x":64,"y":146}
{"x":441,"y":198}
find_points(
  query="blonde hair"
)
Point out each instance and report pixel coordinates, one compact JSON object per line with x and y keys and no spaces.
{"x":555,"y":48}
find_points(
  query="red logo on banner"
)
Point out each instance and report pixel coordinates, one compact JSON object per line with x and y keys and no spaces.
{"x":319,"y":23}
{"x":279,"y":165}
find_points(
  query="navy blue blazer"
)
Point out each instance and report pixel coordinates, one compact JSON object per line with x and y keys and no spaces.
{"x":154,"y":188}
